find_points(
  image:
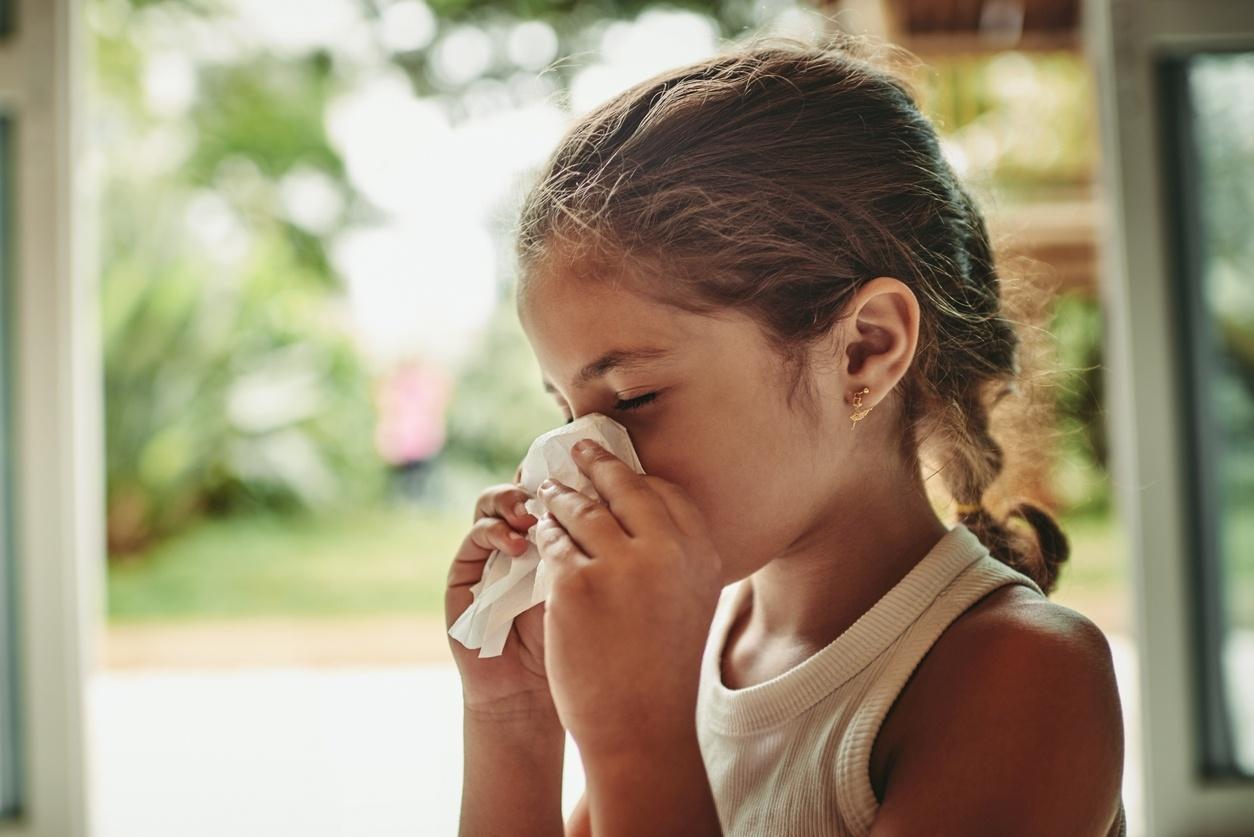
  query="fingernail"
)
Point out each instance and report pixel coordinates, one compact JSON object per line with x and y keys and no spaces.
{"x":520,"y":510}
{"x":584,"y":446}
{"x":547,"y":485}
{"x":516,"y":536}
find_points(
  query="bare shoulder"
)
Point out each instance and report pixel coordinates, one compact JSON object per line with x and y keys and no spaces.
{"x":1012,"y":722}
{"x":1017,"y":644}
{"x":1006,"y":638}
{"x":1016,"y":614}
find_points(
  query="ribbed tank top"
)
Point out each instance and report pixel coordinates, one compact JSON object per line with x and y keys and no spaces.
{"x":791,"y":756}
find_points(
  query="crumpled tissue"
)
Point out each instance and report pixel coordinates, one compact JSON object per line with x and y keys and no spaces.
{"x":511,"y":585}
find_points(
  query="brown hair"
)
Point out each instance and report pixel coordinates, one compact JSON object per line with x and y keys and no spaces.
{"x":776,"y":178}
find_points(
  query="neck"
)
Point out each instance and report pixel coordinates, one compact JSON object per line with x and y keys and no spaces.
{"x":842,"y":565}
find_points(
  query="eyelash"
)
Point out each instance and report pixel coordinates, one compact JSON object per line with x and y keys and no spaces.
{"x":630,"y":403}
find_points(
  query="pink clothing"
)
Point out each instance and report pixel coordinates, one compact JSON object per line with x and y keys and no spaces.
{"x":412,"y":400}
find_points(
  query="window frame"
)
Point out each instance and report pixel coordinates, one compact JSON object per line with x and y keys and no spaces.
{"x":1153,"y":386}
{"x":1215,"y":752}
{"x":54,"y":423}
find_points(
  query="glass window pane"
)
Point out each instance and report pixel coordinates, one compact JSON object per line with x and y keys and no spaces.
{"x":1211,"y":137}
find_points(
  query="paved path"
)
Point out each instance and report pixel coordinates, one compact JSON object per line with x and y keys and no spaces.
{"x":319,"y":752}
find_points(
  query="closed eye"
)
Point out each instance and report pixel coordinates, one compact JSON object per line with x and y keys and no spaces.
{"x":630,"y":403}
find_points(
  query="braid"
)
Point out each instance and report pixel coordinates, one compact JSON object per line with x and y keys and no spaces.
{"x":980,"y":459}
{"x":979,"y":463}
{"x":984,"y":351}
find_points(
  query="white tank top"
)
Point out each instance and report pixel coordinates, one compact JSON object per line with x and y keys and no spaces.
{"x":791,"y":756}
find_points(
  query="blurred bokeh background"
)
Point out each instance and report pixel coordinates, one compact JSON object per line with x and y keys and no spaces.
{"x":313,"y":363}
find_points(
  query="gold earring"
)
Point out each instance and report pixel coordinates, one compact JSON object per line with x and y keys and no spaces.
{"x":858,"y":413}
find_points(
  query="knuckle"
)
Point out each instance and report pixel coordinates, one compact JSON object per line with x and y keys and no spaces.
{"x":549,"y":536}
{"x":478,"y":536}
{"x":655,"y":482}
{"x":498,"y":498}
{"x":483,"y":505}
{"x":636,"y":489}
{"x":507,"y":501}
{"x":488,"y":496}
{"x":557,"y":545}
{"x":484,"y":528}
{"x":588,"y":511}
{"x":599,"y":454}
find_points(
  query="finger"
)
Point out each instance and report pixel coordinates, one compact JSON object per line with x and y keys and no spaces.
{"x":510,"y":507}
{"x":486,"y":535}
{"x":556,"y":545}
{"x":589,"y":523}
{"x":633,"y":502}
{"x":506,"y":502}
{"x":682,"y":510}
{"x":493,"y":533}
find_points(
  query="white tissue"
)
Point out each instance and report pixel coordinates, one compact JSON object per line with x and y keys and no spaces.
{"x":512,"y":585}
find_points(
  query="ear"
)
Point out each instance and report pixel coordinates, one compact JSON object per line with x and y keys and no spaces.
{"x":883,"y":335}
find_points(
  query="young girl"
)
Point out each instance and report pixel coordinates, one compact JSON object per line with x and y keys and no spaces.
{"x":763,"y":267}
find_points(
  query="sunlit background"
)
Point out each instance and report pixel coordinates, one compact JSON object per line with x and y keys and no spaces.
{"x":313,"y":364}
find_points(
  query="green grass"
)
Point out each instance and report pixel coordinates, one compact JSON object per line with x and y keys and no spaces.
{"x":394,"y":560}
{"x":367,"y":561}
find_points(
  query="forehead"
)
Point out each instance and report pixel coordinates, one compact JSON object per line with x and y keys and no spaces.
{"x":572,"y":323}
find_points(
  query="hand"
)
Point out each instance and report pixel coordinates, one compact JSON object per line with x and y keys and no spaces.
{"x":512,"y":685}
{"x":636,"y":580}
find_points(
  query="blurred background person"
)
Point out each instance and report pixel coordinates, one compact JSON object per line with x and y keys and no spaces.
{"x":412,"y":399}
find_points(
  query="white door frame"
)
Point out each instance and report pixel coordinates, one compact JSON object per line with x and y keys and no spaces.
{"x":56,"y":417}
{"x":1147,"y":378}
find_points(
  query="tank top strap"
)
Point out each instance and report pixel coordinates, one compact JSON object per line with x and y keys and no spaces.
{"x":855,"y":795}
{"x":757,"y":708}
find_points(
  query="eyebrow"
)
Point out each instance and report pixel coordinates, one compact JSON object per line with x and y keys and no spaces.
{"x":613,"y":359}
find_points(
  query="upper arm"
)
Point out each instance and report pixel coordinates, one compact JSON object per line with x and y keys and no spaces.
{"x":1026,"y":738}
{"x":580,"y":823}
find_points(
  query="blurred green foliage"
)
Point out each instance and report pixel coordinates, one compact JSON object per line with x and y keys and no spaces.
{"x":1019,"y":123}
{"x":1081,"y":477}
{"x":223,"y":393}
{"x":231,"y":381}
{"x":268,"y":110}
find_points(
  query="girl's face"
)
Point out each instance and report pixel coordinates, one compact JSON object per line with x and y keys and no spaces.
{"x":703,"y":401}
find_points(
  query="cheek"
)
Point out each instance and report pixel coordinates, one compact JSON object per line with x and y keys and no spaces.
{"x":757,"y":504}
{"x":745,"y":478}
{"x":735,"y":507}
{"x":683,"y":460}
